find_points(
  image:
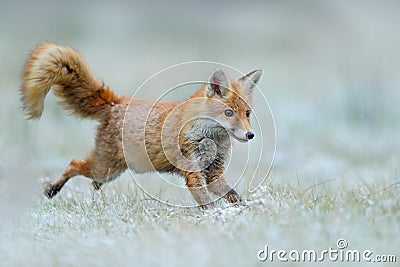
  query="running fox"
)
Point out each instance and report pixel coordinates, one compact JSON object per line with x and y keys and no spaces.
{"x":190,"y":138}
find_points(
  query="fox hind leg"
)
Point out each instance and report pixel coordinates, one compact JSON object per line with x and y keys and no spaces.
{"x":97,"y":185}
{"x":76,"y":167}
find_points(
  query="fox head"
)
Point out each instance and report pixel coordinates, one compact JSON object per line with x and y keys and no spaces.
{"x":231,"y":102}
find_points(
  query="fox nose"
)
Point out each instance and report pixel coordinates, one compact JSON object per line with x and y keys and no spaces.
{"x":249,"y":135}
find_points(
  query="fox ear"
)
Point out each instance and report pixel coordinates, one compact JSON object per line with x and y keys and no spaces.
{"x":250,"y":80}
{"x":218,"y":84}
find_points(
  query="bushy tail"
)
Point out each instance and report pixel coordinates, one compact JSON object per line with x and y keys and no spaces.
{"x":64,"y":70}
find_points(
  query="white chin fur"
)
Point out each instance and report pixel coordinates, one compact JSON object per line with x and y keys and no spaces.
{"x":241,"y":140}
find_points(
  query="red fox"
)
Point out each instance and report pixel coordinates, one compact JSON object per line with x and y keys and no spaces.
{"x":190,"y":138}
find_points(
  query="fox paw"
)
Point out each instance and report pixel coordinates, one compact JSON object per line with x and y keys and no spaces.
{"x":209,"y":206}
{"x":50,"y":190}
{"x":96,"y":185}
{"x":233,"y":197}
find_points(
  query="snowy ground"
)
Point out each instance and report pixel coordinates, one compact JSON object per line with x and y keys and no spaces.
{"x":111,"y":228}
{"x":331,"y":78}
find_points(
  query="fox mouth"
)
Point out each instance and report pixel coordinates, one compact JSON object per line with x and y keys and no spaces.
{"x":231,"y":133}
{"x":241,"y":140}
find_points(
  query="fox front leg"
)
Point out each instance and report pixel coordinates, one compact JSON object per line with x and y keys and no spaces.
{"x":213,"y":169}
{"x":194,"y":181}
{"x":220,"y":187}
{"x":217,"y":184}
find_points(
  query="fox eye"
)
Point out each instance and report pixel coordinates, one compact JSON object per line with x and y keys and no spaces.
{"x":248,"y":113}
{"x":229,"y":112}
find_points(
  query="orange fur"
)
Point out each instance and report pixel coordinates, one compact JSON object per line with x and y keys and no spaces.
{"x":63,"y":68}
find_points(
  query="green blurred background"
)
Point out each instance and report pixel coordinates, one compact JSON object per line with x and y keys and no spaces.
{"x":331,"y":76}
